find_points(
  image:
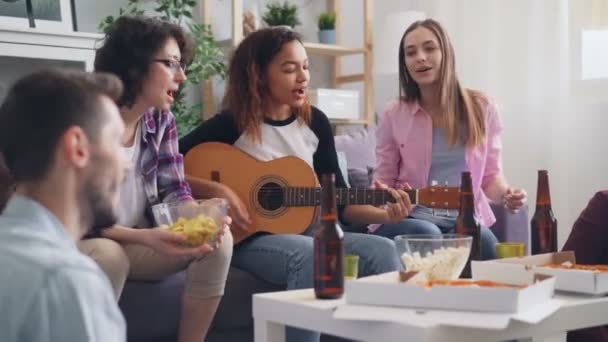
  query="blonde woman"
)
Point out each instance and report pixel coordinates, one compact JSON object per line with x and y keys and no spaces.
{"x":436,"y":130}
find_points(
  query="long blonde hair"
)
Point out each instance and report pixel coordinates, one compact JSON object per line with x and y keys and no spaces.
{"x":247,"y":93}
{"x":461,"y":111}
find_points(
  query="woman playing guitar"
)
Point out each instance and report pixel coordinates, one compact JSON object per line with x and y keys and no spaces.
{"x":266,"y":114}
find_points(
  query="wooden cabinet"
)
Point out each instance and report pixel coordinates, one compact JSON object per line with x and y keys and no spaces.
{"x":23,"y":51}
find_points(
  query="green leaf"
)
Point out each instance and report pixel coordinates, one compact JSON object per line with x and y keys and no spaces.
{"x":327,"y":21}
{"x":281,"y":14}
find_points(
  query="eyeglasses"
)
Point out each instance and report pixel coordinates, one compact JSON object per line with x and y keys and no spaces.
{"x":173,"y":65}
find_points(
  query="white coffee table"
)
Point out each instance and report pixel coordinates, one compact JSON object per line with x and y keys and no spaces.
{"x":273,"y":311}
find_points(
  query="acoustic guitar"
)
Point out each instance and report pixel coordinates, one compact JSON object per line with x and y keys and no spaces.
{"x":283,"y":195}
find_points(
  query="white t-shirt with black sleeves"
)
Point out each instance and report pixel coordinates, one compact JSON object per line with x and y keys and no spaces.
{"x":312,"y":143}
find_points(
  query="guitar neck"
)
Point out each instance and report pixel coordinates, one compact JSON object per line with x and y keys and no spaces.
{"x":304,"y":197}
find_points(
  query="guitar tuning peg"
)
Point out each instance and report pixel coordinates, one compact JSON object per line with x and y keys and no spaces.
{"x":434,"y":182}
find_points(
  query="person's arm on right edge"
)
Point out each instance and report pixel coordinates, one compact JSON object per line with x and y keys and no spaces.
{"x":589,"y":235}
{"x":588,"y":239}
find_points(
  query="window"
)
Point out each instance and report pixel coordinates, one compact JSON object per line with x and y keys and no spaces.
{"x":594,"y":54}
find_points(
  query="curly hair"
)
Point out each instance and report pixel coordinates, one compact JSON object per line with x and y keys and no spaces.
{"x":129,"y":48}
{"x":247,"y":92}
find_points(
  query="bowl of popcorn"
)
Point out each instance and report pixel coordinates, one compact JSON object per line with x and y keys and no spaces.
{"x":199,"y":221}
{"x":438,"y":257}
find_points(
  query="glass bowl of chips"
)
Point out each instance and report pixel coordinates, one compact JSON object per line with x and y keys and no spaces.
{"x":438,"y":257}
{"x":199,"y":221}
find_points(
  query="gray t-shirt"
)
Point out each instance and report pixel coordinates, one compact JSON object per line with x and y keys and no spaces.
{"x":447,"y":166}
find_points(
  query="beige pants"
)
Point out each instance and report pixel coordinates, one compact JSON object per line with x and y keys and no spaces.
{"x":205,"y":276}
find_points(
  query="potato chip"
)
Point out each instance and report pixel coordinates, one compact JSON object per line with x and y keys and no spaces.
{"x":197,"y":230}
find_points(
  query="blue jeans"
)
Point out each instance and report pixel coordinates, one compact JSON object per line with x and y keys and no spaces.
{"x":287,"y":260}
{"x":417,"y":226}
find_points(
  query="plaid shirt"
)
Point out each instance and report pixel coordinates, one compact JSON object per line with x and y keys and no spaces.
{"x":161,"y":164}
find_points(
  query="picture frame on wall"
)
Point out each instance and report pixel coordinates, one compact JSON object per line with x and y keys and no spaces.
{"x":47,"y":15}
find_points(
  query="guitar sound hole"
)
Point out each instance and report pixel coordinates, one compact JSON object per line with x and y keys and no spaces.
{"x":270,"y":196}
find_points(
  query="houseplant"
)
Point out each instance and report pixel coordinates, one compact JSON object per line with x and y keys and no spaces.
{"x":207,"y":61}
{"x":327,"y":27}
{"x":278,"y":14}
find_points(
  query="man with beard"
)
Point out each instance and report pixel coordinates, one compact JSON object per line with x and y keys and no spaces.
{"x":60,"y":136}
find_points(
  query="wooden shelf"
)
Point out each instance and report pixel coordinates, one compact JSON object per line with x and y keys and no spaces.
{"x":331,"y":50}
{"x":348,"y":121}
{"x":311,"y":48}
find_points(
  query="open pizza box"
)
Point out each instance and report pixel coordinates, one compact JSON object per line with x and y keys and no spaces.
{"x":393,"y":289}
{"x":524,"y":268}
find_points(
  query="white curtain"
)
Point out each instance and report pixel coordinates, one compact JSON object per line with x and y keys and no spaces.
{"x":526,"y":54}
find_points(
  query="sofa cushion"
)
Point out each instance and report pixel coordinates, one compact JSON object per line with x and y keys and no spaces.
{"x":343,"y":165}
{"x":152,"y":308}
{"x":359,"y":146}
{"x":360,"y":178}
{"x":235,"y":310}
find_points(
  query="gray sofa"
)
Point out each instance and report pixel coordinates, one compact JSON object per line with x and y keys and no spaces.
{"x":152,"y":308}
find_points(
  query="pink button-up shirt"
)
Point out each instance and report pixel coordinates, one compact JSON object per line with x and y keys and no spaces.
{"x":404,"y":147}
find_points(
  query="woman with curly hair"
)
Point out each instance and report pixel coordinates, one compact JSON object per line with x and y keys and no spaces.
{"x":268,"y":116}
{"x":150,"y":57}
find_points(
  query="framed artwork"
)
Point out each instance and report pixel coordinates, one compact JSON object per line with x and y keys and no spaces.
{"x":46,"y":15}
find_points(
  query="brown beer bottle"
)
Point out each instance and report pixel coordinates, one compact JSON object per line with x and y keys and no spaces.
{"x":328,"y":245}
{"x":466,"y":223}
{"x":543,"y":225}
